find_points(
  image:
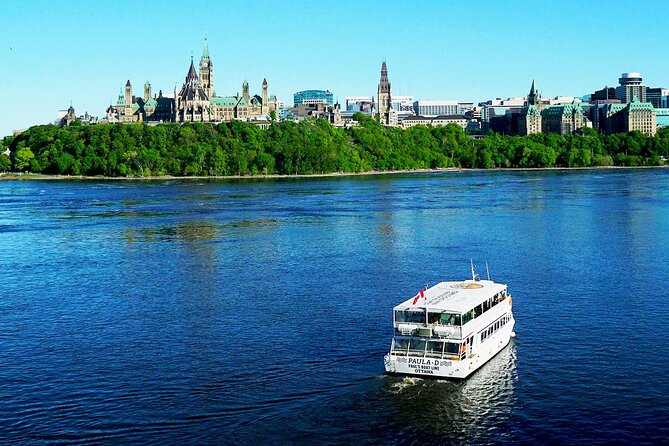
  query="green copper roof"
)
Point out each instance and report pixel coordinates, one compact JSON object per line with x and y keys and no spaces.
{"x":636,"y":105}
{"x":151,"y":103}
{"x":228,"y":101}
{"x":121,"y":100}
{"x":205,"y":50}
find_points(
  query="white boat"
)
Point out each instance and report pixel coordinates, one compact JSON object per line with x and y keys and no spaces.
{"x":451,"y":329}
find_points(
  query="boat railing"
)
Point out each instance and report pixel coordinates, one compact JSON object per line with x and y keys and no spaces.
{"x":430,"y":330}
{"x":428,"y":354}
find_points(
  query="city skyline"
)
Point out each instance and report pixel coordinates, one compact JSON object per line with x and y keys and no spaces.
{"x":85,"y":54}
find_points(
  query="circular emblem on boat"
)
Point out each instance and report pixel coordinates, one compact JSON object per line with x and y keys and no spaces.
{"x":467,"y":286}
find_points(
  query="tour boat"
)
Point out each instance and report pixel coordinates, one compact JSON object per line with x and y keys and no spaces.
{"x":451,"y":329}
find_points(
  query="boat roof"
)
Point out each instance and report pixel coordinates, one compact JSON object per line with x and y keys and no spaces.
{"x":454,"y":297}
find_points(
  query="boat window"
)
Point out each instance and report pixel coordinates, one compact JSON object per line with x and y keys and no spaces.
{"x":417,"y":317}
{"x":478,"y":310}
{"x":417,"y":345}
{"x":468,"y":316}
{"x":444,"y":318}
{"x":401,"y":344}
{"x":452,"y":348}
{"x":434,"y":348}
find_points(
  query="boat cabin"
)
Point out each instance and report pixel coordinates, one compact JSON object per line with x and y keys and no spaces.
{"x":446,"y":308}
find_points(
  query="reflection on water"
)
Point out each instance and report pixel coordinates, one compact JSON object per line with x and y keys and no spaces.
{"x":452,"y":409}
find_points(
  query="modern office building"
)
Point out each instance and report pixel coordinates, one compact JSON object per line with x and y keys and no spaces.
{"x":313,"y":97}
{"x":412,"y":121}
{"x":631,"y":86}
{"x":659,"y":97}
{"x":500,"y":115}
{"x":403,"y":106}
{"x":604,"y":94}
{"x":662,"y":117}
{"x":432,"y":108}
{"x":464,"y":107}
{"x":362,"y":104}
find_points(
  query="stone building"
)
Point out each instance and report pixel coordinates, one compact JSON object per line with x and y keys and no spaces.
{"x":562,"y":119}
{"x":636,"y":115}
{"x":539,"y":116}
{"x":196,"y":101}
{"x":192,"y":103}
{"x":529,"y":121}
{"x":387,"y":114}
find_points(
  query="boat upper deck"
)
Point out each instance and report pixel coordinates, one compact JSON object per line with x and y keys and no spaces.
{"x":454,"y":297}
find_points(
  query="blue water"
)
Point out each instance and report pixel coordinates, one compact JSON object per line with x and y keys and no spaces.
{"x":259,"y":311}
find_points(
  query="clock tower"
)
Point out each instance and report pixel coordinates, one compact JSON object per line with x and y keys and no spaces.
{"x":207,"y":71}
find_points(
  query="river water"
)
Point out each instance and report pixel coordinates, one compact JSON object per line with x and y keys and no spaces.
{"x":258,"y":311}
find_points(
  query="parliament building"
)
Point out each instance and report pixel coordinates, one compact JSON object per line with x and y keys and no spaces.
{"x":196,"y":101}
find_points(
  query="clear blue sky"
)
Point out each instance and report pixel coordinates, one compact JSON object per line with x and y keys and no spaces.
{"x":54,"y":52}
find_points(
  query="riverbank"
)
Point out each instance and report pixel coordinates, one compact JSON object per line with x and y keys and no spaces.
{"x":44,"y":177}
{"x":240,"y":150}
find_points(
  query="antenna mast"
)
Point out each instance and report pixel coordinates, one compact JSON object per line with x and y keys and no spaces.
{"x":473,"y":273}
{"x":487,"y":270}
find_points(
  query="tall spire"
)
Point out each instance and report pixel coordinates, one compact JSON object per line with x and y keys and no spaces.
{"x":205,"y":49}
{"x":533,"y":96}
{"x":192,"y":74}
{"x":384,"y":74}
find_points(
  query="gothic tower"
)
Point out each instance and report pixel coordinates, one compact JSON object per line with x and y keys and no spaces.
{"x":265,"y":98}
{"x":147,"y":91}
{"x":192,"y":103}
{"x":128,"y":94}
{"x":384,"y":94}
{"x":245,"y":91}
{"x":207,"y":71}
{"x":533,"y":97}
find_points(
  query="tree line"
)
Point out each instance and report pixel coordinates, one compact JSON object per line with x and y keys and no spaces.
{"x":309,"y":147}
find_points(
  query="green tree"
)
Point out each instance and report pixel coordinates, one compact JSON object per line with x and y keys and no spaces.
{"x":5,"y":163}
{"x":22,"y":158}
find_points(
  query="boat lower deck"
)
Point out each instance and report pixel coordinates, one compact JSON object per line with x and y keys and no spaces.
{"x":450,"y":368}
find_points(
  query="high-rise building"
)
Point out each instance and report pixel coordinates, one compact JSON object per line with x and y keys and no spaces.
{"x":605,"y":94}
{"x":659,"y":97}
{"x":403,"y":105}
{"x":313,"y":97}
{"x":631,"y":86}
{"x":432,"y":108}
{"x":362,"y":104}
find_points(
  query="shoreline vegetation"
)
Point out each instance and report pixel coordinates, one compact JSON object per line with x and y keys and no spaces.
{"x":309,"y":148}
{"x":52,"y":177}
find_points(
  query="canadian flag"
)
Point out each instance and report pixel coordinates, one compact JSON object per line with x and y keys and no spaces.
{"x":420,"y":294}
